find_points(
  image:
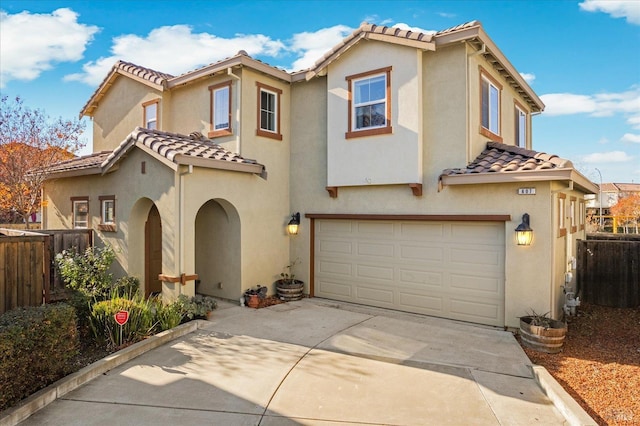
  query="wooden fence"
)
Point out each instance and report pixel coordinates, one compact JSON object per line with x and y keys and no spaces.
{"x":27,"y":272}
{"x":608,"y":271}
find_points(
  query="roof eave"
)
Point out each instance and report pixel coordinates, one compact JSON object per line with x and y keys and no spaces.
{"x":566,"y":174}
{"x":94,"y":170}
{"x":212,"y":163}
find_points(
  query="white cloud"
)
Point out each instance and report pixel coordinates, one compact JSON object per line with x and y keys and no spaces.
{"x":447,"y":15}
{"x":630,"y":137}
{"x":598,"y":105}
{"x":310,"y":46}
{"x":406,"y":27}
{"x":185,"y":49}
{"x":528,"y":77}
{"x":32,"y":43}
{"x":629,"y":9}
{"x":607,"y":157}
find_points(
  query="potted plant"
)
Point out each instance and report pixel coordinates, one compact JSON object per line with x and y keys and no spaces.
{"x":253,"y":296}
{"x":542,"y":333}
{"x":288,"y":287}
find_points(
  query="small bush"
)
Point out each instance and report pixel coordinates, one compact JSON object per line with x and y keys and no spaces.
{"x":88,"y":271}
{"x":168,"y":316}
{"x":195,"y":307}
{"x":140,"y":325}
{"x":36,"y":346}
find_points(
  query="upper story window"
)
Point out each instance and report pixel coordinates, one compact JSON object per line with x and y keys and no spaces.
{"x":521,"y":126}
{"x":369,"y":103}
{"x":490,"y":91}
{"x":150,"y":120}
{"x":220,"y":109}
{"x":268,"y":111}
{"x":80,"y":212}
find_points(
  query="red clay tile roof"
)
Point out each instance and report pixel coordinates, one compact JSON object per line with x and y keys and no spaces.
{"x":155,"y":77}
{"x":80,"y":163}
{"x":502,"y":158}
{"x":182,"y":149}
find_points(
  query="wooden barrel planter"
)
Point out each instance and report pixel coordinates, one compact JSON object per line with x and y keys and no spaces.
{"x":543,"y":339}
{"x":288,"y":290}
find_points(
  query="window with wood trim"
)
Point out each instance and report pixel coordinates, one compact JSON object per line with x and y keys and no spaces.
{"x":562,"y":226}
{"x":107,"y":213}
{"x":520,"y":126}
{"x":150,"y":114}
{"x":582,"y":213}
{"x":369,"y":104}
{"x":490,"y":95}
{"x":573,"y":225}
{"x":268,"y":111}
{"x":80,"y":212}
{"x":220,"y":110}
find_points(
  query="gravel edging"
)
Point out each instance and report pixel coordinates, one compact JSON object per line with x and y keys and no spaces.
{"x":568,"y":407}
{"x":46,"y":396}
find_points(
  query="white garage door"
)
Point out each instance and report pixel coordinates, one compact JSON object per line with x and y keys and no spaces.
{"x":446,"y":269}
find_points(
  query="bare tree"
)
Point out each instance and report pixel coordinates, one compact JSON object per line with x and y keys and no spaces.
{"x":29,"y":144}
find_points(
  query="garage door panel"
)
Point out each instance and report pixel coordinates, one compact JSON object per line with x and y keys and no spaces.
{"x":448,"y":269}
{"x":376,"y":249}
{"x":420,"y":279}
{"x":339,"y":227}
{"x":384,"y":273}
{"x":341,"y":269}
{"x":376,"y":296}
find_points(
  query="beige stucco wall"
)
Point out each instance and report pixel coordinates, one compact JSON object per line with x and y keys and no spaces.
{"x":366,"y":160}
{"x":121,"y":111}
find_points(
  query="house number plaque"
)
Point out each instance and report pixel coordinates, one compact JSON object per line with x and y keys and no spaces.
{"x":526,"y":191}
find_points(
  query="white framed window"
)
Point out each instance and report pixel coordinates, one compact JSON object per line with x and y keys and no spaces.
{"x":369,"y":103}
{"x":490,"y":93}
{"x":150,"y":109}
{"x":562,"y":227}
{"x":268,"y":111}
{"x":108,"y":210}
{"x":572,"y":215}
{"x":220,"y":109}
{"x":80,"y":212}
{"x":521,"y":127}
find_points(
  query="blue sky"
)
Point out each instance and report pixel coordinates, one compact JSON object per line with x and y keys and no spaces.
{"x":581,"y":57}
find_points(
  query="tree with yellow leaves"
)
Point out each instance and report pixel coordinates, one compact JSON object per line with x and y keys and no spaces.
{"x":627,"y":211}
{"x":29,"y":144}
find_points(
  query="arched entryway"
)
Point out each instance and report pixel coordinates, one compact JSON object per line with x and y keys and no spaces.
{"x":217,"y":250}
{"x":152,"y":252}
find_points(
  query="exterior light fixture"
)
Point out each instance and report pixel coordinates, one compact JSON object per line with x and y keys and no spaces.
{"x":524,"y":233}
{"x":294,"y":223}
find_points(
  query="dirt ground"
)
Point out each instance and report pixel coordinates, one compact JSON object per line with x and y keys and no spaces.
{"x":600,"y":363}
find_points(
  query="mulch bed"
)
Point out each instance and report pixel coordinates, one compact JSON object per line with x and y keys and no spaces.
{"x":599,"y":365}
{"x":269,"y":301}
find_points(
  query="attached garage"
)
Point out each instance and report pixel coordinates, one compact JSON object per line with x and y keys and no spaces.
{"x":446,"y":268}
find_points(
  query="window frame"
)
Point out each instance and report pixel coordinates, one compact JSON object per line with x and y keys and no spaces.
{"x":105,"y":225}
{"x":573,"y":225}
{"x":582,"y":211}
{"x":492,"y":82}
{"x":521,"y":112}
{"x":277,"y":93}
{"x":562,"y":228}
{"x":352,"y":132}
{"x":213,"y":132}
{"x":76,"y":201}
{"x":156,"y":120}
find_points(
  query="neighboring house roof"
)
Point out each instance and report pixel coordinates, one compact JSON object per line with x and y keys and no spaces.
{"x":471,"y":32}
{"x":172,"y":149}
{"x":620,"y":187}
{"x":500,"y":163}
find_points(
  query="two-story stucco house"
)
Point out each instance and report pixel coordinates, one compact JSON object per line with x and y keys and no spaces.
{"x":408,"y":155}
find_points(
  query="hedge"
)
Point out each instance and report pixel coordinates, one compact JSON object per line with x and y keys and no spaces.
{"x":36,"y":346}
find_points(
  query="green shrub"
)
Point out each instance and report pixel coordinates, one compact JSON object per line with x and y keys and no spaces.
{"x":37,"y":345}
{"x":87,"y":272}
{"x":127,"y":287}
{"x":168,"y":316}
{"x":195,"y":307}
{"x":140,"y":325}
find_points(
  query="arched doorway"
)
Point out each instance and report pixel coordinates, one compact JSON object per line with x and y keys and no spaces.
{"x":152,"y":252}
{"x":217,"y":250}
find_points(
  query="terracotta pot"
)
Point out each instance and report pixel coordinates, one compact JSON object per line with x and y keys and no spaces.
{"x":543,"y":339}
{"x":252,"y":300}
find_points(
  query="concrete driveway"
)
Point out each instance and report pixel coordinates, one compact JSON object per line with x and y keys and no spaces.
{"x":316,"y":362}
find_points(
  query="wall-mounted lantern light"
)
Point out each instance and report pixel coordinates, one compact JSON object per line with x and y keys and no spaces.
{"x":524,"y":233}
{"x":294,"y":223}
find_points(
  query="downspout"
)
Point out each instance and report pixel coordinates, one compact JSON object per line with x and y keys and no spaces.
{"x":567,"y":245}
{"x":181,"y":223}
{"x":239,"y":106}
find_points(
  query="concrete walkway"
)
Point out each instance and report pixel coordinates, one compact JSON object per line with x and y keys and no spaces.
{"x":317,"y":362}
